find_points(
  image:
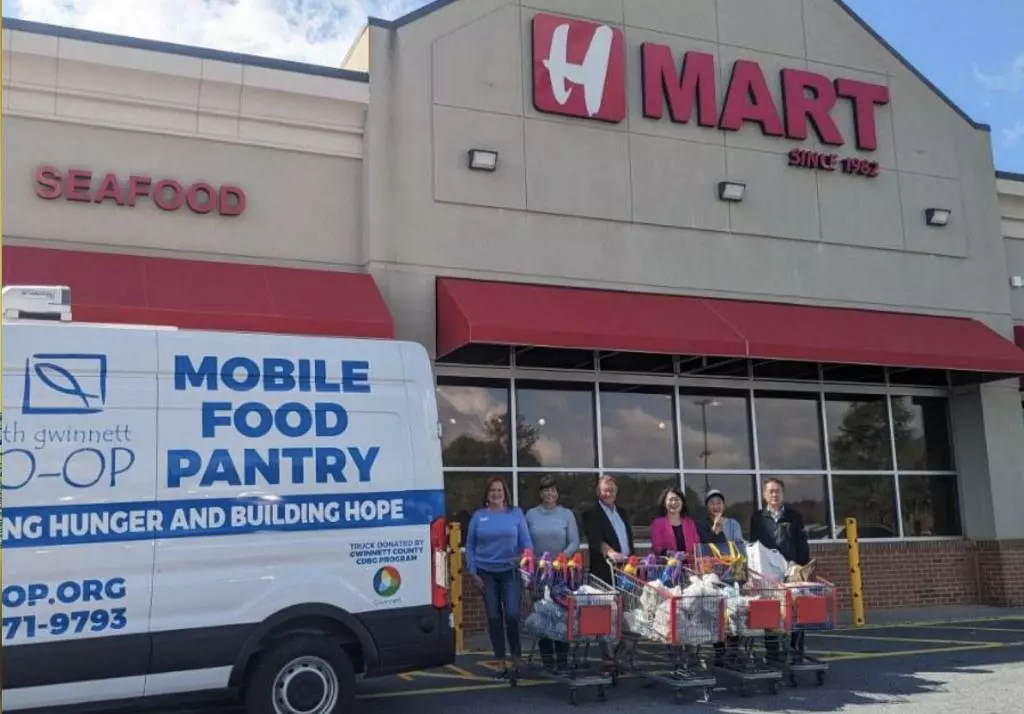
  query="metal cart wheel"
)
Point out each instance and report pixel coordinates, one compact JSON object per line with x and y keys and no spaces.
{"x":572,"y":697}
{"x":821,"y":678}
{"x":791,"y":679}
{"x":513,"y":678}
{"x":707,"y":694}
{"x":602,"y":695}
{"x":773,"y":688}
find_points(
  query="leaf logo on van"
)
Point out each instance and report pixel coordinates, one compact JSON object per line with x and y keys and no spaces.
{"x":65,"y":383}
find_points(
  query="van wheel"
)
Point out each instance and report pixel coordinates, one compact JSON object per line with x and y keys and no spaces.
{"x":305,"y":675}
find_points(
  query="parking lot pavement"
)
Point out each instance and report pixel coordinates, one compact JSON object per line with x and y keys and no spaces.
{"x":967,"y":666}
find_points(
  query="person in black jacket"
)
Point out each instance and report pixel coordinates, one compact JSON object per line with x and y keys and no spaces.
{"x":781,"y":529}
{"x":609,"y":538}
{"x":609,"y":533}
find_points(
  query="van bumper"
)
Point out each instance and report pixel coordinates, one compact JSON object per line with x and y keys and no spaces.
{"x":409,"y":639}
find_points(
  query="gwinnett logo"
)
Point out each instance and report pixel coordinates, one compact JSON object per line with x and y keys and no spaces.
{"x":387,"y":581}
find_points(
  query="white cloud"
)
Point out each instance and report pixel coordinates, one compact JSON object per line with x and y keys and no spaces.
{"x":1015,"y":133}
{"x":314,"y":31}
{"x":1011,"y":79}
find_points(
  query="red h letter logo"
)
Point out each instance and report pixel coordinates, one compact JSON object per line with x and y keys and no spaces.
{"x":579,"y":69}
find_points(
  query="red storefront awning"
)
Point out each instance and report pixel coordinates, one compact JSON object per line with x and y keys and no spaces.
{"x":480,"y":312}
{"x":203,"y":295}
{"x":1018,"y":333}
{"x":476,"y":312}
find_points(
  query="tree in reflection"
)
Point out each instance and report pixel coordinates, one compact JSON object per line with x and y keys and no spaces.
{"x":492,"y":447}
{"x":863,"y":443}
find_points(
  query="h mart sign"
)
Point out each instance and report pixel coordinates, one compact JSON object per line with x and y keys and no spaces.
{"x":579,"y":69}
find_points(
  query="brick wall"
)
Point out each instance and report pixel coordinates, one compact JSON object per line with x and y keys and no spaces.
{"x":923,"y":574}
{"x":909,"y":574}
{"x":1000,"y":566}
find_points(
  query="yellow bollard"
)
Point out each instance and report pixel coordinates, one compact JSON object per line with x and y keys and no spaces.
{"x":455,"y":581}
{"x":856,"y":585}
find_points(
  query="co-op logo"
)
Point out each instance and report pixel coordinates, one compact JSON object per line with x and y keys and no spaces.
{"x":65,"y":383}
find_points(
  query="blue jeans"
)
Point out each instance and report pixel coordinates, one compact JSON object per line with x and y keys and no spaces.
{"x":502,"y":596}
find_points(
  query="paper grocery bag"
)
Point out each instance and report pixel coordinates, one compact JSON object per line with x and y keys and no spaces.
{"x":766,"y":562}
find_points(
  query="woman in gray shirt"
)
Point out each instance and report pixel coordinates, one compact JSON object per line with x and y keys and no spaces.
{"x":553,"y":530}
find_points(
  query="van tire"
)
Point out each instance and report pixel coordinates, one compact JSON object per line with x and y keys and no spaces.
{"x":297,"y":673}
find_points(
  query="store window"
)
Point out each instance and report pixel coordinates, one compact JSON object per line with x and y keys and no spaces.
{"x":789,"y":431}
{"x":858,"y":433}
{"x":637,"y":430}
{"x":560,"y":432}
{"x":740,"y":491}
{"x":715,"y":430}
{"x":474,"y":422}
{"x":556,"y":425}
{"x":931,"y":506}
{"x":921,"y":425}
{"x":871,"y":499}
{"x":808,"y":495}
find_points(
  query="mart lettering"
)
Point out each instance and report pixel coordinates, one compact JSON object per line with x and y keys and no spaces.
{"x":809,"y":100}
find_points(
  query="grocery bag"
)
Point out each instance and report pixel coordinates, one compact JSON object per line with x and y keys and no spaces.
{"x":767,"y":562}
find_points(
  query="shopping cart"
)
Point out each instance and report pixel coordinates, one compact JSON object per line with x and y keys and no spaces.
{"x":755,"y":613}
{"x":808,"y":607}
{"x":657,"y":611}
{"x":578,"y":611}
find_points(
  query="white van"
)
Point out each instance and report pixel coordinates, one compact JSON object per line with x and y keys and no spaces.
{"x":199,"y":513}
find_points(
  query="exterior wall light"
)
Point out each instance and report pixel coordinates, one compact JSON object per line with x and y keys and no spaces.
{"x":483,"y":160}
{"x":937,"y":216}
{"x":731,"y":191}
{"x":1017,"y":281}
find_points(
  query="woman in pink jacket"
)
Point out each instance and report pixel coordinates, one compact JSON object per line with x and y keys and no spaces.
{"x":673,"y":531}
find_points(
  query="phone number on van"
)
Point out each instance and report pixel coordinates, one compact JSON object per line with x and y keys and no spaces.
{"x":66,"y":623}
{"x":73,"y":622}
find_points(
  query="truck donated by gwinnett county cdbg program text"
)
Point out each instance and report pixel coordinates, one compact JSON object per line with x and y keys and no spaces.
{"x":200,"y":513}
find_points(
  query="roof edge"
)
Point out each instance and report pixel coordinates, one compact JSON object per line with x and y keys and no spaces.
{"x":914,"y":70}
{"x":136,"y":43}
{"x":405,"y":19}
{"x":1009,"y":176}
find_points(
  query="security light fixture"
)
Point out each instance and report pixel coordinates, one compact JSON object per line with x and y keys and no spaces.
{"x":1017,"y":281}
{"x":937,"y":216}
{"x":731,"y":191}
{"x":483,"y":160}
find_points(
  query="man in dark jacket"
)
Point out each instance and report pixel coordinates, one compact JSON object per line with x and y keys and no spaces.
{"x":609,"y":533}
{"x":781,"y":529}
{"x":609,"y":538}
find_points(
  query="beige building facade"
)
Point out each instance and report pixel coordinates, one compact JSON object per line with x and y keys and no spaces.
{"x":696,"y":244}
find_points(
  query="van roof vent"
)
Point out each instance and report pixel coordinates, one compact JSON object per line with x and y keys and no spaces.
{"x":37,"y":302}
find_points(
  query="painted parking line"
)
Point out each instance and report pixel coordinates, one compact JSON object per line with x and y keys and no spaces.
{"x":894,"y":638}
{"x":1017,"y":630}
{"x":929,"y":623}
{"x":831,"y":657}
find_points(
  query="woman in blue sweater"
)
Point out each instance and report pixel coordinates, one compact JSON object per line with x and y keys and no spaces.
{"x":496,"y":537}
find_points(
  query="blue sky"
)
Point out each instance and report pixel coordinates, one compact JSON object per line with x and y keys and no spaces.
{"x":973,"y":50}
